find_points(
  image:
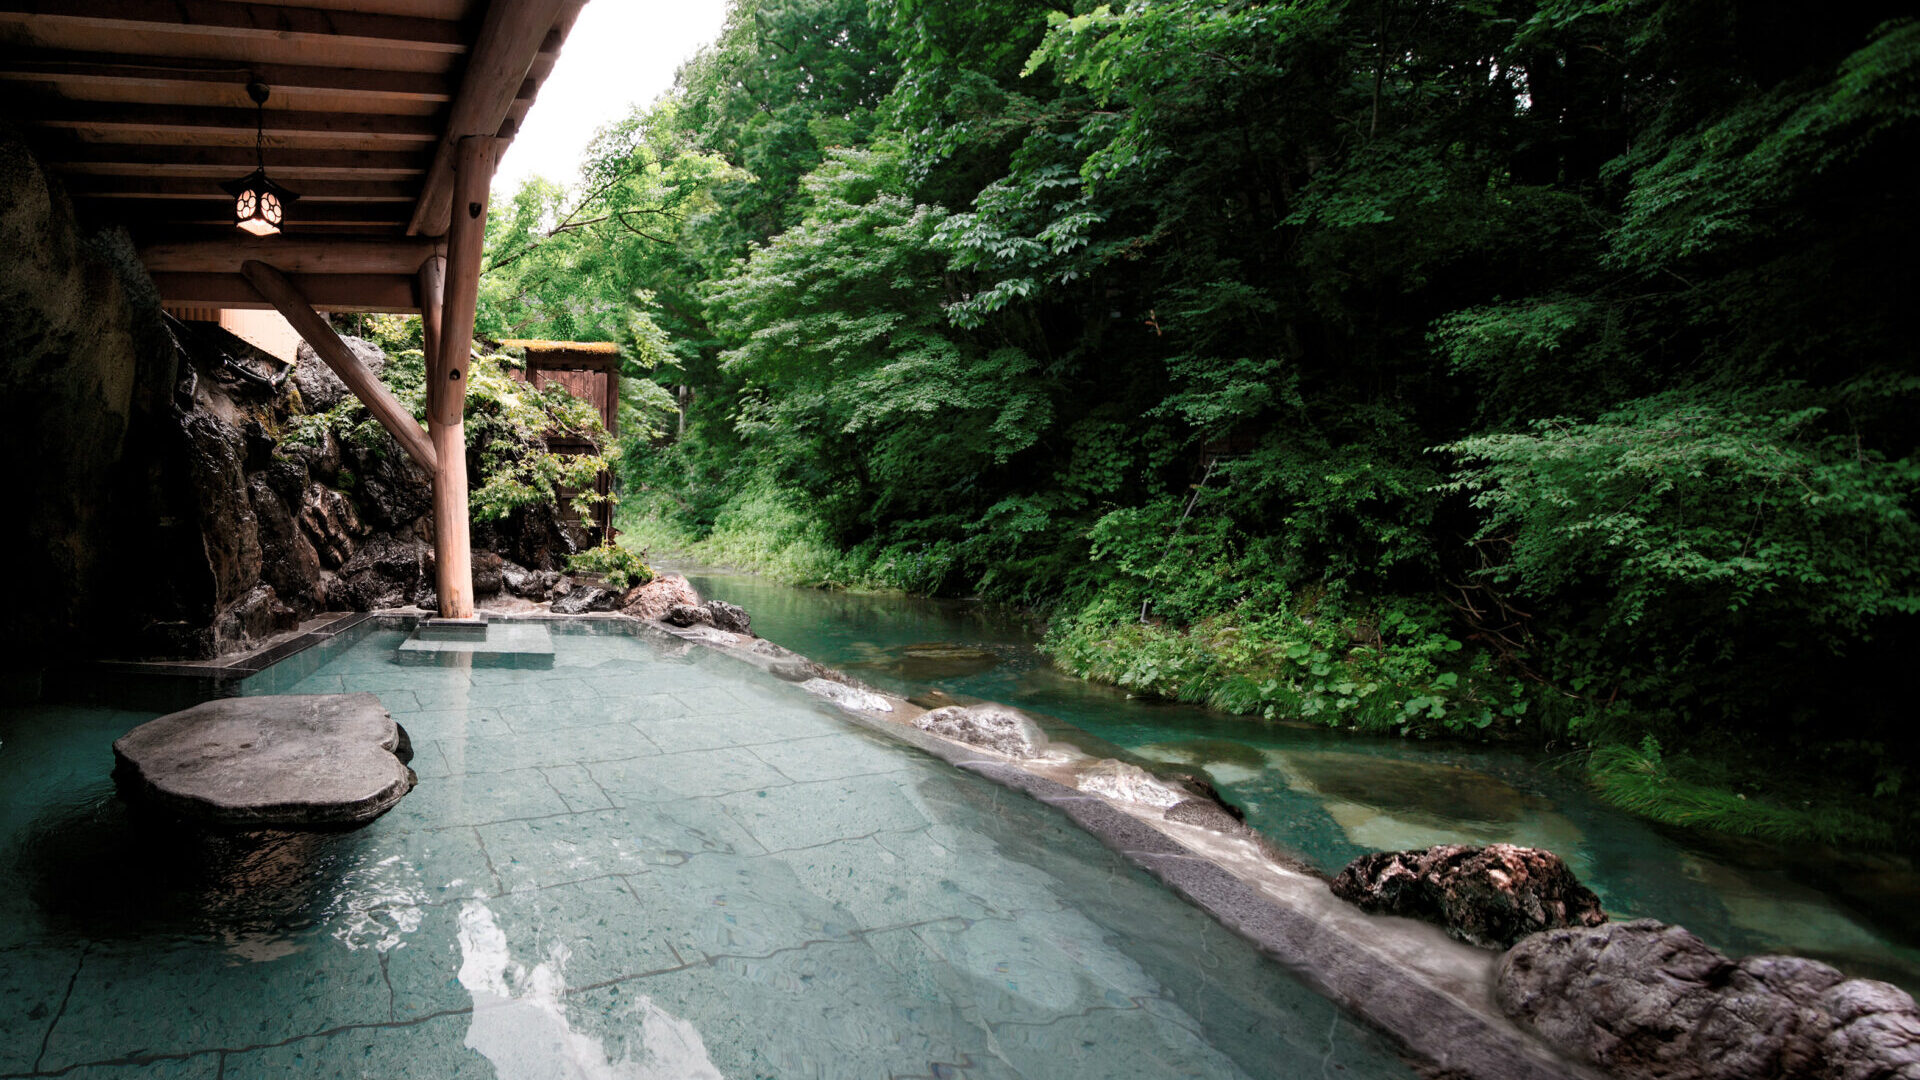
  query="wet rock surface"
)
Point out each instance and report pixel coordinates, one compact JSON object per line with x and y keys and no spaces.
{"x":851,"y":697}
{"x":528,"y":584}
{"x":659,"y":596}
{"x":1129,"y":783}
{"x":729,"y":617}
{"x":289,"y":761}
{"x":582,"y":599}
{"x":1644,"y":998}
{"x":929,"y":661}
{"x":1207,"y":814}
{"x":1490,"y":896}
{"x":320,"y":389}
{"x":995,"y":727}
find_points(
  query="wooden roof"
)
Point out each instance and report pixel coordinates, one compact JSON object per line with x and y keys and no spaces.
{"x":141,"y":107}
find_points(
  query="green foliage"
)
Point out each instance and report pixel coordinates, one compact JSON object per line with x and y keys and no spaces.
{"x":507,"y":423}
{"x":1395,"y":670}
{"x":1160,"y":306}
{"x":620,"y":566}
{"x":1750,"y":507}
{"x":1642,"y":780}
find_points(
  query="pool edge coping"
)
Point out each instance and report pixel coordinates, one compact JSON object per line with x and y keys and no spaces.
{"x":1432,"y":1023}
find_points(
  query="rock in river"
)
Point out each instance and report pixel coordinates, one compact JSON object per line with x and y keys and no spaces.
{"x":995,"y":727}
{"x":1491,"y":896}
{"x":1643,"y":998}
{"x":293,"y":760}
{"x":851,"y":697}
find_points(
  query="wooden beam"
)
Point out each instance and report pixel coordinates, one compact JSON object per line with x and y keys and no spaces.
{"x":186,"y":211}
{"x":510,"y":40}
{"x":227,"y":162}
{"x":474,"y":162}
{"x":154,"y":72}
{"x":223,"y":18}
{"x":286,"y":298}
{"x":291,"y":254}
{"x":326,"y":292}
{"x":187,"y":187}
{"x":183,"y":124}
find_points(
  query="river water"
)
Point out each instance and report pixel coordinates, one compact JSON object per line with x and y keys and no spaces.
{"x":1330,"y":796}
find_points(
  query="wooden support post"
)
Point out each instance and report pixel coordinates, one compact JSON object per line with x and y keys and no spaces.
{"x":429,"y":286}
{"x":447,"y":374}
{"x":286,"y":297}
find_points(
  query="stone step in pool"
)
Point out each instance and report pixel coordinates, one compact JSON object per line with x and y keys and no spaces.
{"x":527,"y":645}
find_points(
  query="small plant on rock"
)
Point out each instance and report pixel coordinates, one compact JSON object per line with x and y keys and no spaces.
{"x":621,"y":568}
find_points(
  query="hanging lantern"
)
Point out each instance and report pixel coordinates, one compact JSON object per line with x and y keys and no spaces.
{"x":259,"y":204}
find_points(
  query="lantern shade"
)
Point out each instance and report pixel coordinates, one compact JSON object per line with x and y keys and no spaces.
{"x":259,"y":204}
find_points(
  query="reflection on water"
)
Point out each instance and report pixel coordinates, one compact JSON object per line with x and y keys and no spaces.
{"x":1330,"y":797}
{"x":520,"y":1022}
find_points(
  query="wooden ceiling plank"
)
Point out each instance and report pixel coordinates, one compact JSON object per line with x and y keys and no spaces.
{"x":278,"y":123}
{"x":230,"y":161}
{"x":246,"y":20}
{"x":189,"y":187}
{"x":154,"y":72}
{"x":511,"y":38}
{"x":218,"y":211}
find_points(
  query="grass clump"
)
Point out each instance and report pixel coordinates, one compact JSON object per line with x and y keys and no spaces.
{"x":1647,"y":782}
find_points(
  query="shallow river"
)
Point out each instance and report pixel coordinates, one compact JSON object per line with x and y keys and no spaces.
{"x":1330,"y":796}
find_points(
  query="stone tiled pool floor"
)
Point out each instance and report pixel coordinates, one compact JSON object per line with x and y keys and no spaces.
{"x":649,"y":861}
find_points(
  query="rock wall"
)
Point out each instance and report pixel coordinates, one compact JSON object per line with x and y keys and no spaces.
{"x":83,"y":366}
{"x":166,"y":502}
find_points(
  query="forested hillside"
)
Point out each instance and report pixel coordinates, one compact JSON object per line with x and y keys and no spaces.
{"x":1511,"y":368}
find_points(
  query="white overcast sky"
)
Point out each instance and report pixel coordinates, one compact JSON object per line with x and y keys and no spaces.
{"x":620,"y":53}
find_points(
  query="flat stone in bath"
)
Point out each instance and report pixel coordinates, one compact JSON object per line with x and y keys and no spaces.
{"x":294,"y":760}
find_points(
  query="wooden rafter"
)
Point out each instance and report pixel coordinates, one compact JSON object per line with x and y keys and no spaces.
{"x":226,"y":18}
{"x":510,"y":40}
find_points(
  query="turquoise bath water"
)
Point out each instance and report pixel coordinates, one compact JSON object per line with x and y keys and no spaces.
{"x":1331,"y":796}
{"x":648,"y":862}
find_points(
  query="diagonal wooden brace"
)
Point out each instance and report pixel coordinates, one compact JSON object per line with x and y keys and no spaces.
{"x":278,"y":290}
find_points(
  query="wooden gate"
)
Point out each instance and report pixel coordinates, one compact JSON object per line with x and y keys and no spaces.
{"x":590,"y":371}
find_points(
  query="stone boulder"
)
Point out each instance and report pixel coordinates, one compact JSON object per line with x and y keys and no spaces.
{"x":729,"y":617}
{"x":289,"y":562}
{"x":489,"y":575}
{"x":995,"y":727}
{"x":1491,"y":896}
{"x":715,"y":613}
{"x":331,"y":526}
{"x":385,"y":572}
{"x":287,"y":761}
{"x":659,"y":596}
{"x":582,"y":599}
{"x":1644,"y":998}
{"x":392,"y":490}
{"x":528,"y":584}
{"x":851,"y":697}
{"x":320,"y":389}
{"x":1206,"y":813}
{"x":1130,"y":784}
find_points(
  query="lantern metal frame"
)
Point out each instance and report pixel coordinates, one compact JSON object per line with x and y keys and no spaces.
{"x":259,"y":204}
